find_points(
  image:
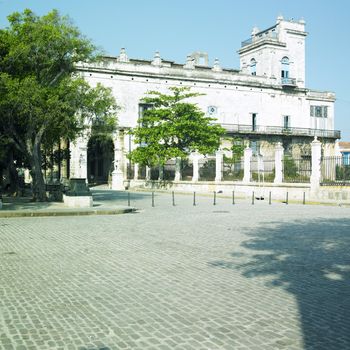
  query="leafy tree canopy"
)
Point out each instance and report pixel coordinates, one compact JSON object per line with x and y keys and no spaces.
{"x":42,"y":96}
{"x":173,"y":127}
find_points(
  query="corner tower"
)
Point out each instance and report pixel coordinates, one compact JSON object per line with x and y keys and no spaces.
{"x":277,"y":52}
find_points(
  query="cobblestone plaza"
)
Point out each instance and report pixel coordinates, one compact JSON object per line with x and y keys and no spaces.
{"x":205,"y":277}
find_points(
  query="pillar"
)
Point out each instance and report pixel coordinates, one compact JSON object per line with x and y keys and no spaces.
{"x":315,"y":178}
{"x":219,"y":160}
{"x":118,"y":174}
{"x":247,"y":157}
{"x":136,"y":171}
{"x":279,"y":151}
{"x":177,"y":169}
{"x":148,"y":173}
{"x":78,"y":160}
{"x":195,"y":157}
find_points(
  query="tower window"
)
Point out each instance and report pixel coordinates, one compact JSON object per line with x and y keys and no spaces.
{"x":252,"y":66}
{"x":285,"y":67}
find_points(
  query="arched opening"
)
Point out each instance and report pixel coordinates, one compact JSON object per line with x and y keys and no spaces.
{"x":100,"y":155}
{"x":285,"y":68}
{"x":253,"y":66}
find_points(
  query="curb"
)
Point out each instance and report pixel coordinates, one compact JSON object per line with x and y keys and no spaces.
{"x":64,"y":212}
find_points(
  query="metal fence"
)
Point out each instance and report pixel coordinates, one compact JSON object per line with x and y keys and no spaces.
{"x":186,"y":170}
{"x":335,"y":171}
{"x":207,"y":169}
{"x":232,"y":171}
{"x":261,"y":169}
{"x":169,"y":170}
{"x":297,"y":170}
{"x":130,"y":171}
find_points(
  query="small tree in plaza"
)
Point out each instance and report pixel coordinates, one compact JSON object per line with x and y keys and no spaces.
{"x":173,"y":127}
{"x":42,"y":97}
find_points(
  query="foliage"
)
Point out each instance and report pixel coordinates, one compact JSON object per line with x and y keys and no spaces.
{"x":42,"y":97}
{"x":237,"y":149}
{"x":290,"y":168}
{"x":342,"y":172}
{"x":173,"y":128}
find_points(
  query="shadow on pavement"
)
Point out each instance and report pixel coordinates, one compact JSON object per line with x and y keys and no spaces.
{"x":311,"y":260}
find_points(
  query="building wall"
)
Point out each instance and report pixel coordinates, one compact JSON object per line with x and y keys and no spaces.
{"x":235,"y":94}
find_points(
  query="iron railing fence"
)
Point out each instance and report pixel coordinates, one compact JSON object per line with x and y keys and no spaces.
{"x":207,"y":170}
{"x":335,"y":171}
{"x":232,"y":170}
{"x":186,"y":170}
{"x":142,"y":172}
{"x":130,"y":171}
{"x":279,"y":130}
{"x":262,"y":169}
{"x":169,"y":170}
{"x":297,"y":169}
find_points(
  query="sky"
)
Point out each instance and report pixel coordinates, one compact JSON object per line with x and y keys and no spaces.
{"x":176,"y":28}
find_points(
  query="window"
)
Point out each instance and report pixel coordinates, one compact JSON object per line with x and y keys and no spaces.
{"x":285,"y":68}
{"x":253,"y":121}
{"x":319,"y":111}
{"x":252,"y":66}
{"x":286,"y":122}
{"x":255,"y":146}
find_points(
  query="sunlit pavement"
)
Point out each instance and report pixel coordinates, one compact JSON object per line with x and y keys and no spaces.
{"x":178,"y":276}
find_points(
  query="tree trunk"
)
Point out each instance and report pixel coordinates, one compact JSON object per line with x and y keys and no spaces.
{"x":39,"y":188}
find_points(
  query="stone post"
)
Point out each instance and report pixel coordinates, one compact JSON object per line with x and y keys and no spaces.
{"x":118,"y":172}
{"x":178,"y":169}
{"x":148,"y":173}
{"x":315,"y":165}
{"x":195,"y":158}
{"x":219,"y":160}
{"x":279,"y":151}
{"x":78,"y":160}
{"x":136,"y":171}
{"x":247,"y":157}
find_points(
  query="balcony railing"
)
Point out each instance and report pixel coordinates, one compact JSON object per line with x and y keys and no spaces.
{"x":291,"y":82}
{"x":279,"y":130}
{"x":262,"y":36}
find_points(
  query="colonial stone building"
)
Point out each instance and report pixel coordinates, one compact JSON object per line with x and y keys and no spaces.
{"x":262,"y":103}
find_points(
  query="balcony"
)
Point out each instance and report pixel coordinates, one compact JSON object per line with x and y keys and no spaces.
{"x":288,"y":82}
{"x":279,"y":130}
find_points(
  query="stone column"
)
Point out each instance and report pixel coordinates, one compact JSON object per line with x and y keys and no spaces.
{"x":247,"y":157}
{"x":148,"y":173}
{"x":178,"y":169}
{"x":136,"y":171}
{"x":78,"y":160}
{"x":219,"y":160}
{"x":195,"y":157}
{"x":118,"y":172}
{"x":315,"y":165}
{"x":279,"y":151}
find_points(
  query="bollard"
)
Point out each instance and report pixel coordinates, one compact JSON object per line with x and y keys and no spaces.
{"x":270,"y":197}
{"x":128,"y":199}
{"x":253,"y":198}
{"x":194,"y":199}
{"x":173,"y":195}
{"x":287,"y":198}
{"x":153,"y":199}
{"x":304,"y":198}
{"x":214,"y":203}
{"x":233,"y":197}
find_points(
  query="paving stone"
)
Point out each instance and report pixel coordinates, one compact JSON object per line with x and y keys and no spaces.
{"x":184,"y":277}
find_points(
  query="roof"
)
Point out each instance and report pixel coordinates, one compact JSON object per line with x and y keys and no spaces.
{"x":344,"y":146}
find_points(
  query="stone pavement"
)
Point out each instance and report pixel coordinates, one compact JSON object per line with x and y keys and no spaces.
{"x":177,"y":277}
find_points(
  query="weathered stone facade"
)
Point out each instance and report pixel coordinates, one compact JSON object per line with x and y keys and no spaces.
{"x":264,"y":102}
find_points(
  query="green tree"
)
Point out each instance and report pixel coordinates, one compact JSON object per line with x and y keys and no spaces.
{"x":173,"y":127}
{"x":42,"y":96}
